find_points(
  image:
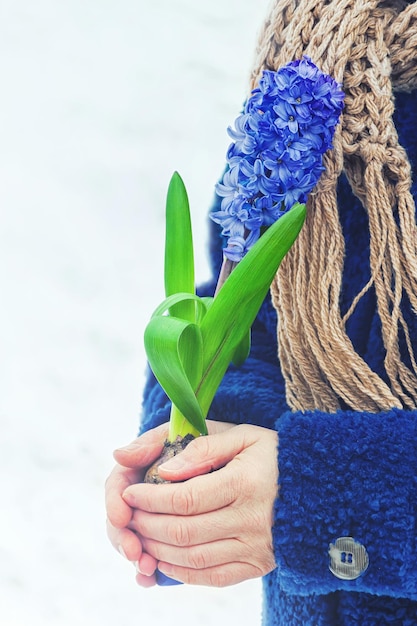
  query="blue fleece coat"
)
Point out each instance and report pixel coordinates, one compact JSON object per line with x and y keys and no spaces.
{"x":345,"y":474}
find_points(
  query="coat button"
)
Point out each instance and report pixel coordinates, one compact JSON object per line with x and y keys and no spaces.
{"x":348,"y":558}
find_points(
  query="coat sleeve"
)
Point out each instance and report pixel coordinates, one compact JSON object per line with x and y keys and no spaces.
{"x":347,"y":474}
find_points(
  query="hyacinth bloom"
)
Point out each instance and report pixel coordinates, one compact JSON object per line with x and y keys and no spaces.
{"x":275,"y":159}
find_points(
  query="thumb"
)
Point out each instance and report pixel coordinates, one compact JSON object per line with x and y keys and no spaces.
{"x":144,"y":450}
{"x":205,"y":454}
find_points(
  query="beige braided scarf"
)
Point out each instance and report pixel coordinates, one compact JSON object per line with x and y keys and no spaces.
{"x":370,"y":47}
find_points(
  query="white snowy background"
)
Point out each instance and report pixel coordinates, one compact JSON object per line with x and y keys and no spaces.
{"x":100,"y":101}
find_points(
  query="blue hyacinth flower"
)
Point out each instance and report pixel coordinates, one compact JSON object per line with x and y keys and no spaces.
{"x":275,"y":160}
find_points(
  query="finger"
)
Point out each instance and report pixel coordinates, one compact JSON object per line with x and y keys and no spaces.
{"x":146,"y":565}
{"x":219,"y":576}
{"x":205,"y":454}
{"x":126,"y":542}
{"x":144,"y":450}
{"x":214,"y":427}
{"x":145,"y":581}
{"x":185,"y":531}
{"x":202,"y":556}
{"x":198,"y":495}
{"x":118,"y":511}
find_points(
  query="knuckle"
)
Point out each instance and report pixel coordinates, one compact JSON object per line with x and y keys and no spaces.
{"x":178,"y":534}
{"x":240,"y":485}
{"x":197,"y":559}
{"x":252,"y":484}
{"x":200,"y":446}
{"x":220,"y":578}
{"x":117,"y":517}
{"x":183,"y":501}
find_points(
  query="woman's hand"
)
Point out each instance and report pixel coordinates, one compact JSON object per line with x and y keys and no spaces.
{"x":133,"y":460}
{"x":144,"y":450}
{"x":215,"y":528}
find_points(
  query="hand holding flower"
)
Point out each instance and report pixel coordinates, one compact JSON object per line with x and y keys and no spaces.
{"x":215,"y":528}
{"x":130,"y":469}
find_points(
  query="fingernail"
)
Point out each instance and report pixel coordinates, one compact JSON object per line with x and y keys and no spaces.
{"x":138,"y":570}
{"x":128,"y":497}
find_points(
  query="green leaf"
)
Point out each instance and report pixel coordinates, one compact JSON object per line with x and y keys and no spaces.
{"x":236,"y":305}
{"x":179,"y":256}
{"x":242,"y":351}
{"x":174,"y":349}
{"x":168,"y":304}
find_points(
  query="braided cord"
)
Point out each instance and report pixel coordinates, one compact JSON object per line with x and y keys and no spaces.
{"x":369,"y":46}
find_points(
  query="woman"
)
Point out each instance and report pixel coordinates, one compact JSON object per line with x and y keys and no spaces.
{"x":329,"y":519}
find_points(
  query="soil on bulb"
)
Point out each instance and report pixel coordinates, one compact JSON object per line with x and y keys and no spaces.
{"x":171,"y":449}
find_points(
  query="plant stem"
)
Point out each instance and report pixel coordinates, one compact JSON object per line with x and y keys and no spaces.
{"x":226,"y":269}
{"x":179,"y":426}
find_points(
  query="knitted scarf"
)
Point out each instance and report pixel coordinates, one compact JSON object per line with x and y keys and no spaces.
{"x":369,"y":46}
